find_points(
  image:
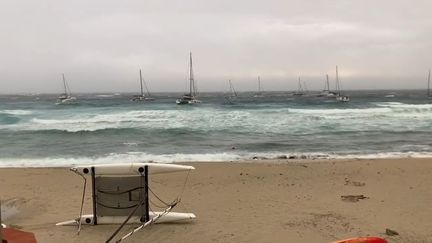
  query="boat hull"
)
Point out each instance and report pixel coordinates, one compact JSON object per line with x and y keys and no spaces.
{"x":131,"y":169}
{"x":171,"y":217}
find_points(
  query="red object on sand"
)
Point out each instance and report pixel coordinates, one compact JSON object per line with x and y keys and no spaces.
{"x":17,"y":236}
{"x":362,"y":240}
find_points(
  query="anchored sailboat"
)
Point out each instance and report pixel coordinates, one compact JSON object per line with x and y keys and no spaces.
{"x":233,"y":93}
{"x":300,"y":91}
{"x":142,"y":97}
{"x":66,"y":97}
{"x":339,"y":96}
{"x":326,"y":91}
{"x":191,"y":97}
{"x":259,"y":93}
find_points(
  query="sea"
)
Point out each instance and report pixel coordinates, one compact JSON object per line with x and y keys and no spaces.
{"x":110,"y":128}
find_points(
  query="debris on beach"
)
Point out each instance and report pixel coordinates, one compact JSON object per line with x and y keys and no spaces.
{"x":353,"y":198}
{"x":348,"y":182}
{"x":391,"y":232}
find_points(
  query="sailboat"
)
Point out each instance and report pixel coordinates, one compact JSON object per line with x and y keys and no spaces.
{"x":142,"y":97}
{"x":66,"y":97}
{"x":300,"y":91}
{"x":339,"y":96}
{"x":191,"y":97}
{"x":326,"y":91}
{"x":232,"y":95}
{"x":428,"y":90}
{"x":259,"y":93}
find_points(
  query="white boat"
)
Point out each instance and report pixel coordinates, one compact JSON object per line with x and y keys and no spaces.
{"x":300,"y":91}
{"x":88,"y":219}
{"x":130,"y":169}
{"x":142,"y":97}
{"x":340,"y":97}
{"x":191,"y":97}
{"x":66,"y":97}
{"x":326,"y":91}
{"x":121,"y":195}
{"x":259,"y":94}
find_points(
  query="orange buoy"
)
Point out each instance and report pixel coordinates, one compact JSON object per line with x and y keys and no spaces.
{"x":362,"y":240}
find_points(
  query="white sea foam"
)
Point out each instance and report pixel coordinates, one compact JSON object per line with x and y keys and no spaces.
{"x":16,"y":112}
{"x":208,"y":157}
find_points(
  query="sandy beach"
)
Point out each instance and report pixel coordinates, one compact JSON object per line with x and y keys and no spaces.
{"x":250,"y":201}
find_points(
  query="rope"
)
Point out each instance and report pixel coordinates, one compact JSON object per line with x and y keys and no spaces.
{"x":154,"y":194}
{"x":151,"y":221}
{"x":120,"y":192}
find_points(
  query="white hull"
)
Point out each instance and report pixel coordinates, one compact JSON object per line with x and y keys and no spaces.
{"x":66,"y":100}
{"x":131,"y":169}
{"x":189,"y":102}
{"x":343,"y":98}
{"x":170,"y":217}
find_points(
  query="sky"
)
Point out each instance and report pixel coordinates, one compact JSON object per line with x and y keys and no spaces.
{"x":100,"y":45}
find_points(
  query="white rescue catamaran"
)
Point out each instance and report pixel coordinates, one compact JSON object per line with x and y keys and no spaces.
{"x":120,"y":195}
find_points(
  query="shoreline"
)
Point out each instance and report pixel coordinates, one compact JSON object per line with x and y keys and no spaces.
{"x":279,"y":159}
{"x":247,"y":201}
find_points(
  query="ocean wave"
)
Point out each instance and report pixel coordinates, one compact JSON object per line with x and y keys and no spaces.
{"x":207,"y":157}
{"x":16,"y":112}
{"x":404,"y":106}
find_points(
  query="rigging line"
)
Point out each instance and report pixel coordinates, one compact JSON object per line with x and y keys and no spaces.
{"x":154,"y":194}
{"x":151,"y":221}
{"x":156,"y":205}
{"x":82,"y":199}
{"x":127,"y":219}
{"x":125,"y":207}
{"x":120,"y":192}
{"x":184,"y":185}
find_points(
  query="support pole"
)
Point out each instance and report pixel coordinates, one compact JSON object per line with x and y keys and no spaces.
{"x":146,"y":194}
{"x":1,"y":226}
{"x":94,"y":195}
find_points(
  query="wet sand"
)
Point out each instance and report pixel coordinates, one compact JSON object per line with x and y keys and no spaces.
{"x":250,"y":201}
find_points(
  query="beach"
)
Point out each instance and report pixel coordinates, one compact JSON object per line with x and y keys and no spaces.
{"x":244,"y":201}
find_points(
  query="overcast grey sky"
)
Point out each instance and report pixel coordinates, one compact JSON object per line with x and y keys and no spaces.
{"x":100,"y":44}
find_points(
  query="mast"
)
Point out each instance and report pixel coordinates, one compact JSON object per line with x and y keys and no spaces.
{"x":233,"y":92}
{"x":191,"y":78}
{"x":327,"y":88}
{"x":64,"y":84}
{"x":429,"y":93}
{"x":300,"y":89}
{"x":141,"y":82}
{"x":337,"y":81}
{"x":259,"y":85}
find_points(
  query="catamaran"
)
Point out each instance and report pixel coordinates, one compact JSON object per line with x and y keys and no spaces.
{"x":66,"y":97}
{"x":122,"y":194}
{"x":326,"y":91}
{"x":142,"y":97}
{"x":191,"y":97}
{"x":339,"y":96}
{"x":259,"y":93}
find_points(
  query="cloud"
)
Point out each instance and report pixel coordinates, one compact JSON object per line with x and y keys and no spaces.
{"x":101,"y":44}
